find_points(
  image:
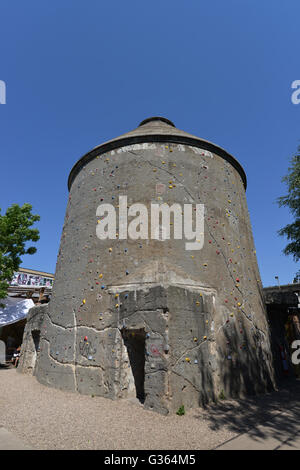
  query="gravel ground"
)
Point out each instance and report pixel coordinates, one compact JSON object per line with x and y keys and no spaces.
{"x":47,"y":418}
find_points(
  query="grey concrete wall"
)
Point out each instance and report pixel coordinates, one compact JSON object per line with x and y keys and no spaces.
{"x":202,"y":311}
{"x":29,"y":353}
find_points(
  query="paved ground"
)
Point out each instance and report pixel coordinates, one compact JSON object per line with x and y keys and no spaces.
{"x":9,"y":441}
{"x":281,"y":433}
{"x":39,"y":417}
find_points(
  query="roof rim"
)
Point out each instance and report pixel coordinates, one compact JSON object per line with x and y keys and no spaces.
{"x":147,"y":138}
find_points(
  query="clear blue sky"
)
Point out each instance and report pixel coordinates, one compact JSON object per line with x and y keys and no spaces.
{"x":81,"y":72}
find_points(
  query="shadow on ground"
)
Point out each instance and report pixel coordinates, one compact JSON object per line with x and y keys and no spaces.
{"x":278,"y":412}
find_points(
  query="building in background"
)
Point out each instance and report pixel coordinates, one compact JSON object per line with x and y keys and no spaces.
{"x":27,"y":288}
{"x":283,"y":309}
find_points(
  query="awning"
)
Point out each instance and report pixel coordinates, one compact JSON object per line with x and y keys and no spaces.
{"x":15,"y":310}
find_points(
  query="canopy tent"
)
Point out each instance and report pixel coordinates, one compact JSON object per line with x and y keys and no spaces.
{"x":15,"y":309}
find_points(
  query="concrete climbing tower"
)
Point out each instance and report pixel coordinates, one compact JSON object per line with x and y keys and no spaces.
{"x":158,"y":317}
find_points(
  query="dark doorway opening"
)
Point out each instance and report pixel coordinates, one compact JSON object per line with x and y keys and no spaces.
{"x":36,"y":340}
{"x":134,"y":341}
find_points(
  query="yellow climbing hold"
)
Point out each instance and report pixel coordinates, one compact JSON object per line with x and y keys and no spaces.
{"x":187,"y":359}
{"x":83,"y":301}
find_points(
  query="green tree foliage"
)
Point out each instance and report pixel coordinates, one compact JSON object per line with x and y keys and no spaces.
{"x":292,"y":201}
{"x":15,"y":232}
